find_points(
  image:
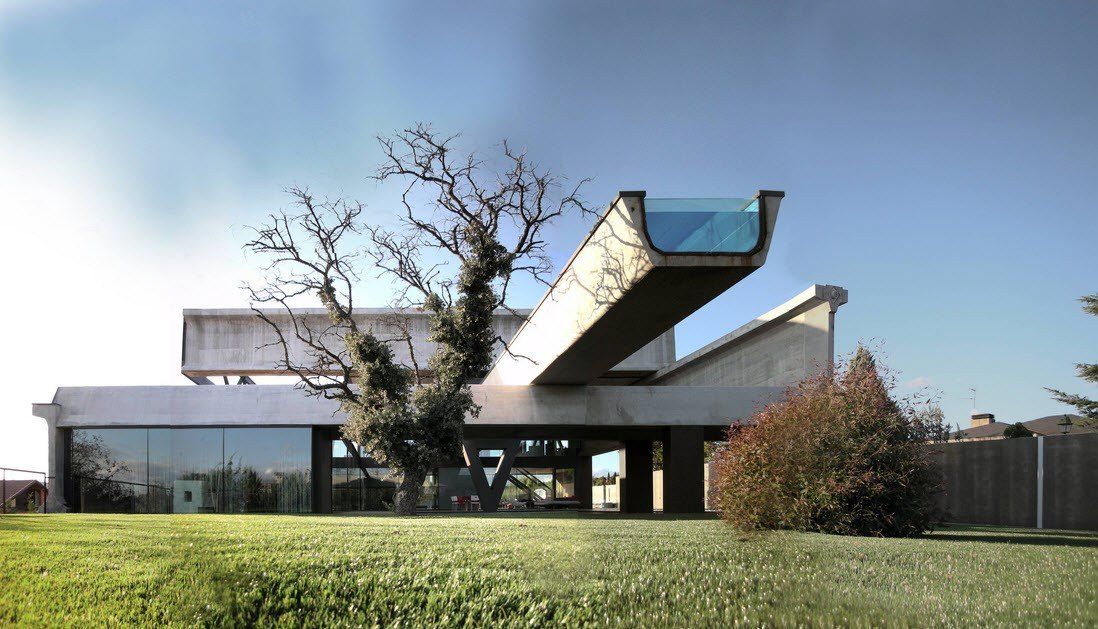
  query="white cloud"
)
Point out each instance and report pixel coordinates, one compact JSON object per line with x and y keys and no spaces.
{"x":919,"y":382}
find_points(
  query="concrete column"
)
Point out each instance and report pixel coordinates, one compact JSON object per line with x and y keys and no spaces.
{"x":583,"y":481}
{"x":684,"y":470}
{"x":59,"y":485}
{"x":322,"y":470}
{"x":636,"y":477}
{"x":490,"y":494}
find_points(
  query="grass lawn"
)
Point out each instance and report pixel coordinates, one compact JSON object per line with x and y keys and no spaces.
{"x":531,"y":570}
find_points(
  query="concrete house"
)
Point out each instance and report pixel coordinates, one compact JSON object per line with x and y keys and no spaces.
{"x":601,"y":375}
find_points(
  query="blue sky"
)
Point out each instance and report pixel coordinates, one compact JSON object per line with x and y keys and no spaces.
{"x":940,"y":162}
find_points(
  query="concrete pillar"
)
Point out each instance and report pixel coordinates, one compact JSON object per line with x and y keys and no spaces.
{"x":684,"y":470}
{"x":60,"y":497}
{"x":636,"y":477}
{"x":583,"y":481}
{"x":490,"y":494}
{"x":322,"y":470}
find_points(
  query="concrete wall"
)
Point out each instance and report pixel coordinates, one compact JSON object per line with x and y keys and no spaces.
{"x":609,"y":406}
{"x":997,"y":482}
{"x":782,"y":347}
{"x":604,"y":493}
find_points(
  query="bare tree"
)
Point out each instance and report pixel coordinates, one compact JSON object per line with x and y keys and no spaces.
{"x":465,"y":231}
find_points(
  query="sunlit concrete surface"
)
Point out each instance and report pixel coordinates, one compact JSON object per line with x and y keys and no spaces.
{"x":235,"y":342}
{"x":782,"y":347}
{"x":278,"y":405}
{"x":616,"y":294}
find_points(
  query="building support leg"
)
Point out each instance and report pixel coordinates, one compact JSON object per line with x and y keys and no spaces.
{"x":684,"y":470}
{"x":490,"y":494}
{"x":322,"y":470}
{"x":636,"y":477}
{"x":583,"y":481}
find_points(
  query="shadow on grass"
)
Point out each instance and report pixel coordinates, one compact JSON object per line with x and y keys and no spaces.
{"x":562,"y":514}
{"x":998,"y":535}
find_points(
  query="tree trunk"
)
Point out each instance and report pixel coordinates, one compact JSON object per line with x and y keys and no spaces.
{"x":407,"y":494}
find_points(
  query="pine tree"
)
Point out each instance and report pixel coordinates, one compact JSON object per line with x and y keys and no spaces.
{"x":1087,"y":371}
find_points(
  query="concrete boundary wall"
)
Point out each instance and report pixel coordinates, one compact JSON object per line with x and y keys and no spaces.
{"x":1042,"y":482}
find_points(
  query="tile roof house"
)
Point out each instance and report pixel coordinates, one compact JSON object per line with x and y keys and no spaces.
{"x":18,"y":496}
{"x":984,"y":427}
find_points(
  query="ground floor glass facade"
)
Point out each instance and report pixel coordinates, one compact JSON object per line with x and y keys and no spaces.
{"x":447,"y":487}
{"x":192,"y":470}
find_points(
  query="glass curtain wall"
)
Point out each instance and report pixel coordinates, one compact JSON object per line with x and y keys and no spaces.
{"x":109,"y":469}
{"x":267,"y":470}
{"x":374,"y":490}
{"x":192,"y":470}
{"x":451,"y":487}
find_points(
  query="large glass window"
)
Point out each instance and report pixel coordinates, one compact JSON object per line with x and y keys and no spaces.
{"x":196,"y":458}
{"x":374,"y":490}
{"x":267,"y":470}
{"x":193,"y":470}
{"x":564,"y":482}
{"x":110,"y":468}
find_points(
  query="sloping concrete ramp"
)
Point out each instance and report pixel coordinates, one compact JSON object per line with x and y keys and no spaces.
{"x":645,"y":266}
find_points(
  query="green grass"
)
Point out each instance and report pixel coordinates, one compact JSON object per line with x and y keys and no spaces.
{"x":527,"y":571}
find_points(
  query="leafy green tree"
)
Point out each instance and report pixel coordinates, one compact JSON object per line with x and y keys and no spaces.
{"x":1017,"y":430}
{"x":465,"y":232}
{"x":1087,"y":407}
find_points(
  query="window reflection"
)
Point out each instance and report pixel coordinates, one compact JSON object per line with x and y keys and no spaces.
{"x":192,"y":470}
{"x":109,"y":469}
{"x":267,"y":470}
{"x":196,"y":469}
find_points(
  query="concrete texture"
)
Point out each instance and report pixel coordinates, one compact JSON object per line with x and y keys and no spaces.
{"x":271,"y":405}
{"x":235,"y":342}
{"x":56,"y":456}
{"x":1071,"y":480}
{"x":990,"y":482}
{"x":616,"y":294}
{"x":792,"y":342}
{"x":995,"y":482}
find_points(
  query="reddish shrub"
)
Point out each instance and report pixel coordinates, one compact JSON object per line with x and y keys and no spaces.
{"x":837,"y":454}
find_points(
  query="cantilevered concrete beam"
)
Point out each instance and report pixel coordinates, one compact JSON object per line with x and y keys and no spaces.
{"x":642,"y":269}
{"x":235,"y":342}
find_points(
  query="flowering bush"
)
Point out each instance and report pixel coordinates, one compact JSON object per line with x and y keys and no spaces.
{"x":838,"y":455}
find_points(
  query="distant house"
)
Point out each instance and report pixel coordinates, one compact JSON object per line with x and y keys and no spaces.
{"x":18,"y":495}
{"x":984,"y":427}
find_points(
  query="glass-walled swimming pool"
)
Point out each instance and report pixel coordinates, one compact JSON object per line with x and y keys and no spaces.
{"x":726,"y":226}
